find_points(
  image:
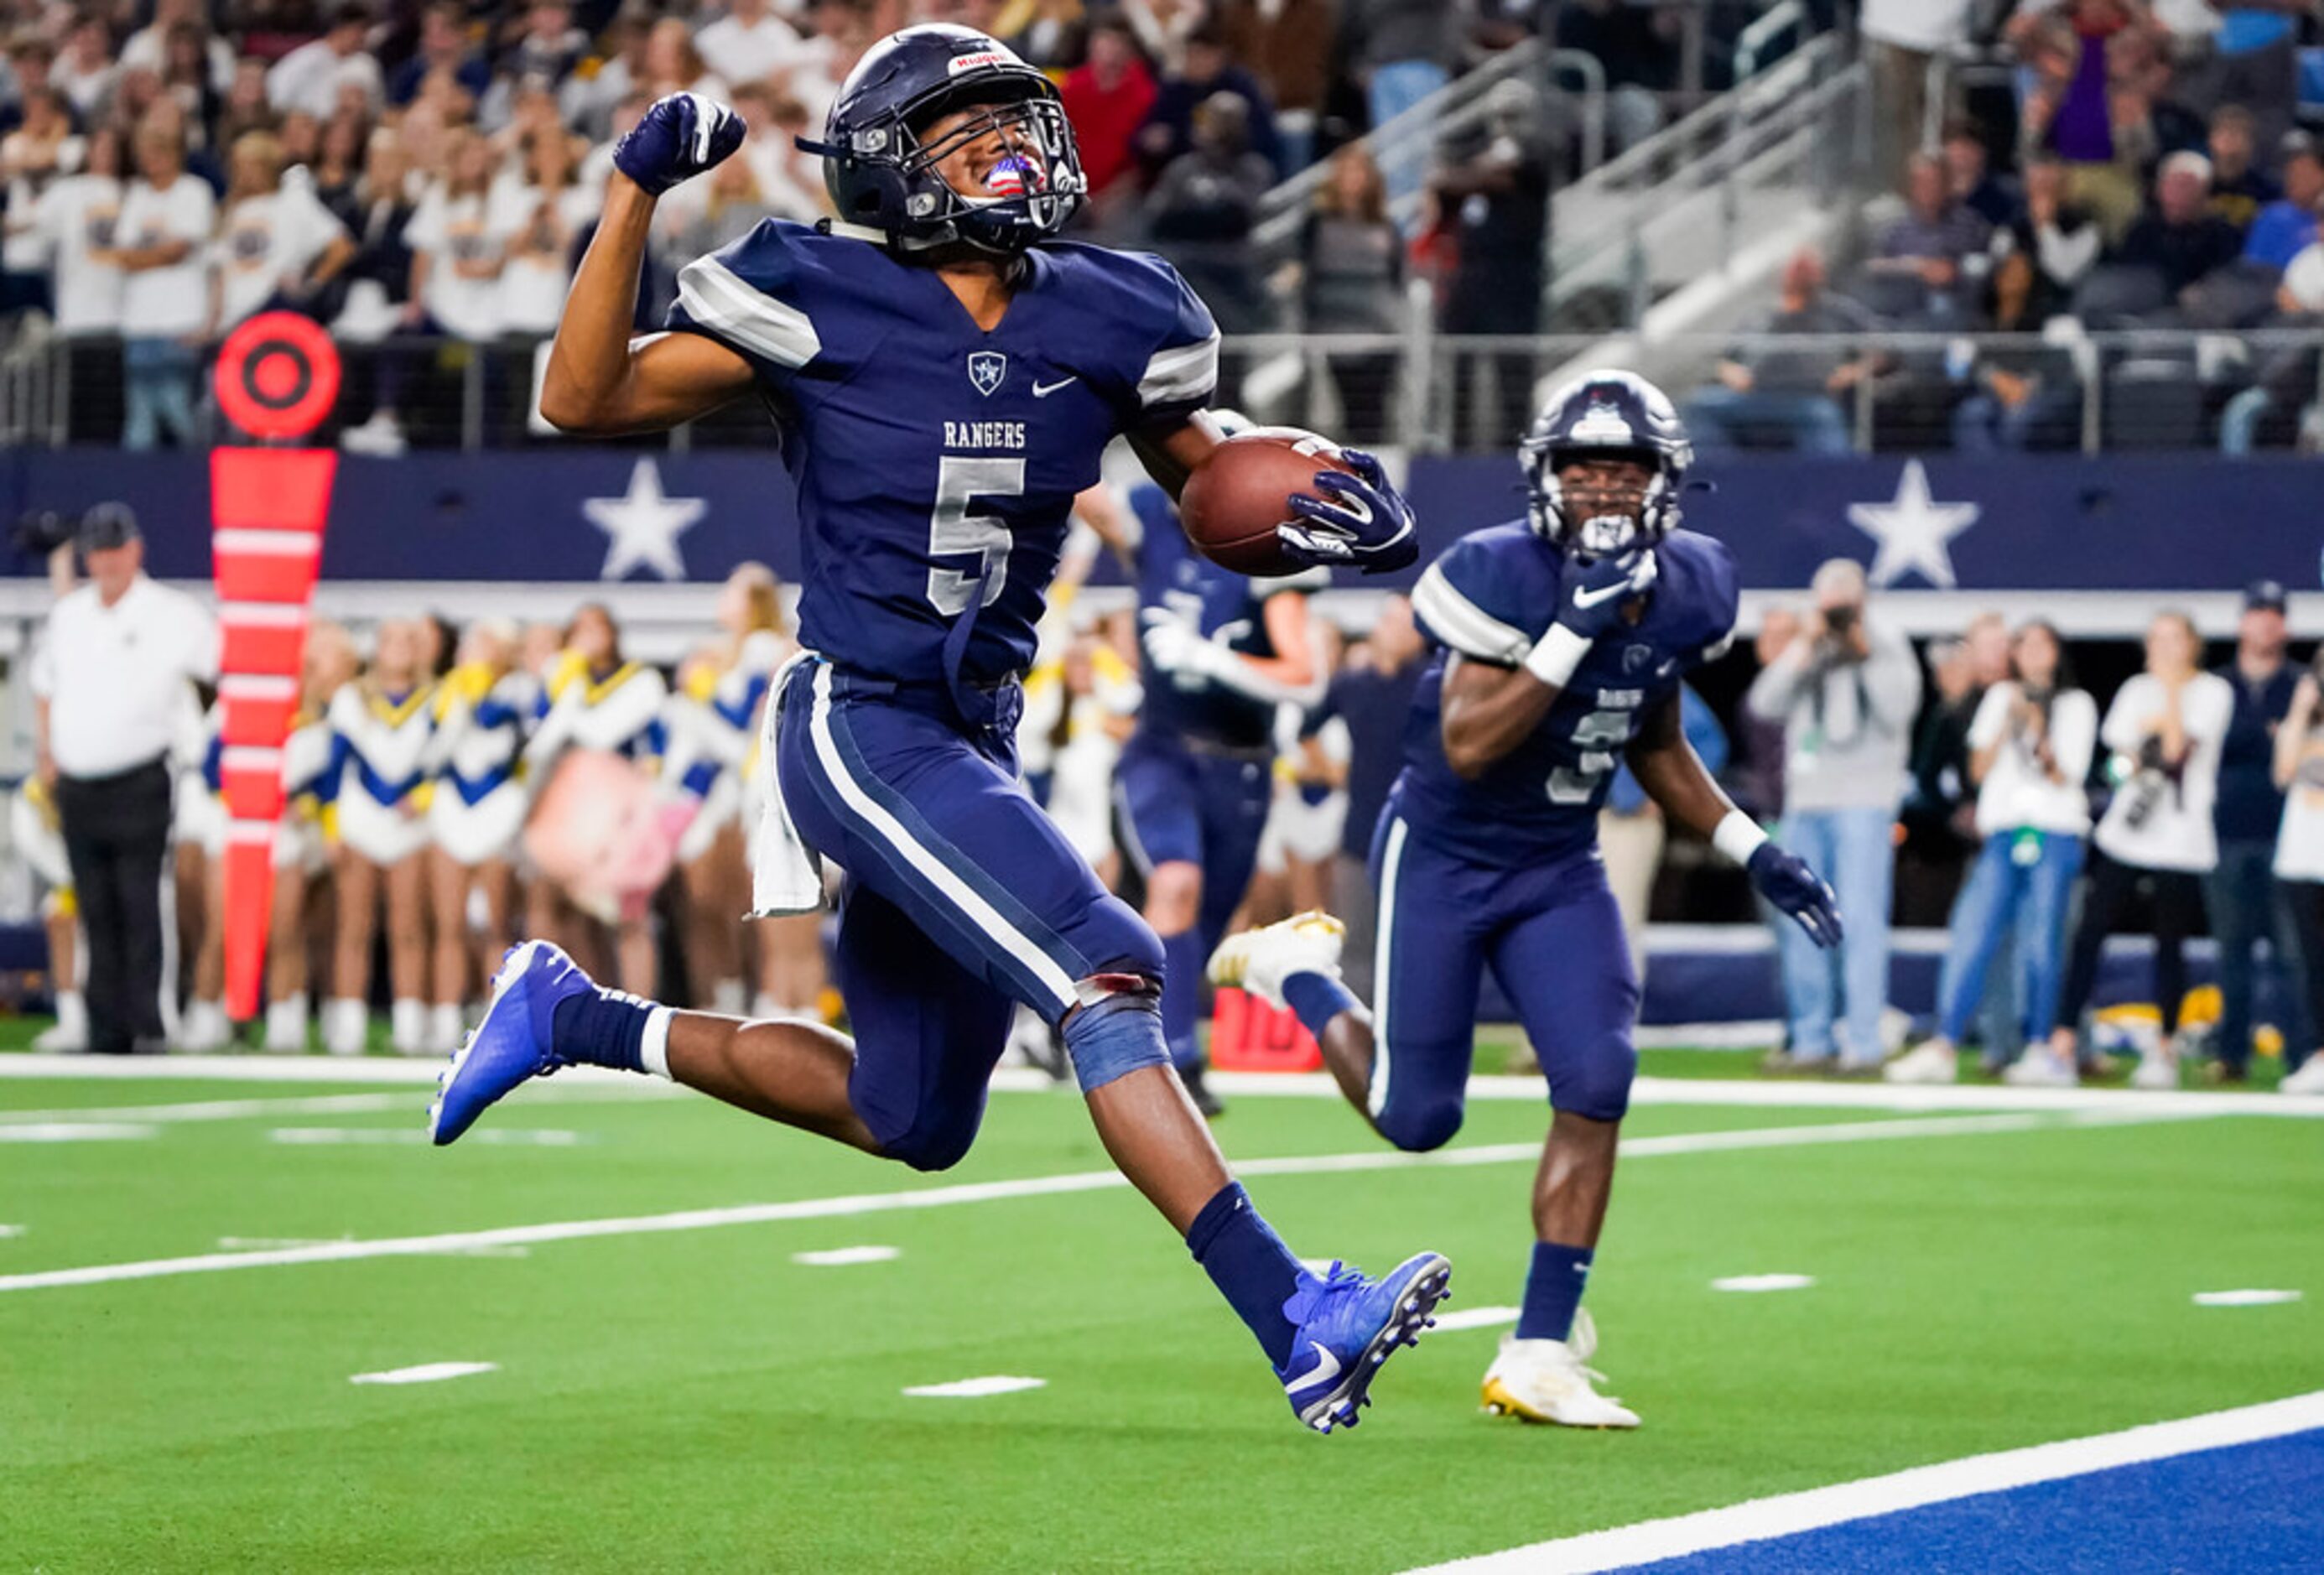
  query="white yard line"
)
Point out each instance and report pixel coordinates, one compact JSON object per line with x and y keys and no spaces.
{"x":1475,"y":1317}
{"x":1791,"y":1513}
{"x":426,"y":1373}
{"x":975,"y":1388}
{"x":1769,"y":1093}
{"x":353,"y":1104}
{"x":859,"y":1203}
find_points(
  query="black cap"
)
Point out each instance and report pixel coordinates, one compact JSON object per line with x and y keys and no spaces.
{"x":108,"y":525}
{"x":2264,"y":594}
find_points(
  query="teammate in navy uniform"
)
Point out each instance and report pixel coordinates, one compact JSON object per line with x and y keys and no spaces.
{"x":1223,"y":651}
{"x":1562,"y":640}
{"x":944,"y":374}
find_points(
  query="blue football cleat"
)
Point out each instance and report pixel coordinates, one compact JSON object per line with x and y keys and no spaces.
{"x":1348,"y":1326}
{"x":513,"y":1042}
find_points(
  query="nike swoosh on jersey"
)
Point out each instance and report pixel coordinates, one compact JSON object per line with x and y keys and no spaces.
{"x":1042,"y":390}
{"x":1327,"y":1369}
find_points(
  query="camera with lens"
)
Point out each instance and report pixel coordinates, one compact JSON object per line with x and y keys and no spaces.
{"x":39,"y":532}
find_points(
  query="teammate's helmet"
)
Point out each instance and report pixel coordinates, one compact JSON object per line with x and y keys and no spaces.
{"x":883,"y":176}
{"x":1604,"y":414}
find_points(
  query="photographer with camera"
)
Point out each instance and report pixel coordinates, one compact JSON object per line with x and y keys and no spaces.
{"x":2300,"y":863}
{"x":110,"y":682}
{"x":1845,"y":689}
{"x":2030,"y":751}
{"x":2245,"y":906}
{"x":2163,"y":732}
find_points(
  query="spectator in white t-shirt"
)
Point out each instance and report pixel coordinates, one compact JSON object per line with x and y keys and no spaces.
{"x":749,"y":42}
{"x":455,"y":259}
{"x":148,"y":48}
{"x":276,"y":243}
{"x":161,"y":248}
{"x":2030,"y":748}
{"x":41,"y":148}
{"x":2163,"y":734}
{"x":76,"y":218}
{"x":85,"y":71}
{"x":2300,"y":862}
{"x":313,"y":77}
{"x":537,"y":222}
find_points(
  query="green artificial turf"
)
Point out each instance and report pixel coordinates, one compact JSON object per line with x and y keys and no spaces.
{"x":697,"y":1401}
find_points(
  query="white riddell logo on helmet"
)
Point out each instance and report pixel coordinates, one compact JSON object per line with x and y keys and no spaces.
{"x":1603,"y":423}
{"x":960,"y":63}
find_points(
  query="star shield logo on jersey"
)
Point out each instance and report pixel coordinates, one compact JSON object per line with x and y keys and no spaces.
{"x":986,"y":368}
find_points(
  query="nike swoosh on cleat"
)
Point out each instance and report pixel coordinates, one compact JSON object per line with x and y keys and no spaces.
{"x":1327,"y":1369}
{"x":1042,"y":390}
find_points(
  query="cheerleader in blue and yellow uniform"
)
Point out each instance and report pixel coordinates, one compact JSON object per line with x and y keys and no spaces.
{"x":39,"y":838}
{"x":597,"y":700}
{"x":197,"y":833}
{"x":381,"y":725}
{"x":302,"y":855}
{"x":475,"y":812}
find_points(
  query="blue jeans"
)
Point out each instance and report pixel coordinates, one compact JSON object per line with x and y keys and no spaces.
{"x":2005,"y":889}
{"x":2246,"y":907}
{"x":1396,"y":86}
{"x":1852,"y":849}
{"x":1815,"y":422}
{"x":1995,"y":1022}
{"x":159,"y":378}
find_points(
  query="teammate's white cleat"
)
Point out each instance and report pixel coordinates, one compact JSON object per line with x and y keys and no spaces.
{"x":1547,"y":1380}
{"x":1931,"y":1060}
{"x":1258,"y":960}
{"x":2308,"y":1080}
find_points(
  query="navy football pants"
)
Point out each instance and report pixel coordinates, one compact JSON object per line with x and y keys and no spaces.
{"x":961,"y":898}
{"x":1552,"y":935}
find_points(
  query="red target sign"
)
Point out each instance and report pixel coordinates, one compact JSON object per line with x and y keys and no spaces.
{"x":278,"y":375}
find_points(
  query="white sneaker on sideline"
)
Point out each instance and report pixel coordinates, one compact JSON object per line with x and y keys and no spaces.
{"x":2157,"y":1069}
{"x":407,"y":1028}
{"x":1931,"y":1060}
{"x":69,"y":1035}
{"x":2041,"y":1067}
{"x":346,"y":1024}
{"x":1258,"y":960}
{"x":203,"y":1028}
{"x":728,"y":997}
{"x":286,"y":1026}
{"x":2308,"y":1080}
{"x":1546,"y":1380}
{"x":380,"y":436}
{"x":445,"y":1028}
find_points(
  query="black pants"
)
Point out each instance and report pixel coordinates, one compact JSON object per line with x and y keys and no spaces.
{"x":2178,"y":899}
{"x":2304,"y":900}
{"x":116,"y":835}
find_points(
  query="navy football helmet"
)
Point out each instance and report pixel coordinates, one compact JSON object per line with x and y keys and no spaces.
{"x":1606,"y":415}
{"x":884,"y":176}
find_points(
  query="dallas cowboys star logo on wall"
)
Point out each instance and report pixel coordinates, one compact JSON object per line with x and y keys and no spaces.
{"x":1912,"y":531}
{"x":986,"y":368}
{"x":644,"y":525}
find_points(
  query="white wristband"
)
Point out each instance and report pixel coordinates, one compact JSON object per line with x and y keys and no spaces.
{"x":1556,"y":655}
{"x":1739,"y":836}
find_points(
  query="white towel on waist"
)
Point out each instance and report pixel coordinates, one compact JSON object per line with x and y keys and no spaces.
{"x":788,"y":875}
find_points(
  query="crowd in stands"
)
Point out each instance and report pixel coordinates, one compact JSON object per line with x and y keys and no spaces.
{"x":424,"y":173}
{"x":2143,"y":171}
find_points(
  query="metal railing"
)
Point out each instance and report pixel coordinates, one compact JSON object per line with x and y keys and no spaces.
{"x":1430,"y":392}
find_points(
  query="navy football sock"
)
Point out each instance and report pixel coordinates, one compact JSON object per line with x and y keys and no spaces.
{"x":1252,"y":1267}
{"x":601,"y":1027}
{"x":1181,"y":995}
{"x":1315,"y":999}
{"x":1552,"y":1292}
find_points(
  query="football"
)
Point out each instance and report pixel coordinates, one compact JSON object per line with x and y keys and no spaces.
{"x":1233,"y":502}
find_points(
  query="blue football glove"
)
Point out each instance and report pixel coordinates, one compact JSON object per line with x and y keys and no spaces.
{"x":677,"y":139}
{"x":1785,"y":879}
{"x":1591,"y":601}
{"x":1360,"y":523}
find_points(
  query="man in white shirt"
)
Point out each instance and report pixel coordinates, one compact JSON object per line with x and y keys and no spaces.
{"x":109,"y":683}
{"x":312,"y":77}
{"x":161,"y":246}
{"x":748,"y":43}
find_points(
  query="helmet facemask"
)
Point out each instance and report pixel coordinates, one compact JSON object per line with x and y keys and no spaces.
{"x":1591,"y":518}
{"x":1032,"y":186}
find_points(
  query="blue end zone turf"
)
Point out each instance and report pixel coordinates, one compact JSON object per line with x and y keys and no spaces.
{"x":2247,"y":1509}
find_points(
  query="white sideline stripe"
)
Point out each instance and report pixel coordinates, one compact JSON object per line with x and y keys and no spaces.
{"x":321,"y":1104}
{"x":975,"y":1388}
{"x":506,"y":1137}
{"x":1789,"y":1513}
{"x":841,"y":1256}
{"x":1739,"y":1093}
{"x":75,"y":1132}
{"x":1752,"y":1284}
{"x":9,"y":1232}
{"x":1475,"y":1317}
{"x":426,"y":1373}
{"x":2243,"y":1298}
{"x":849,"y":1205}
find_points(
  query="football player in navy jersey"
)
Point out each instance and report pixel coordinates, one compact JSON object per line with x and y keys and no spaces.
{"x":944,"y":374}
{"x":1223,"y":651}
{"x":1562,"y":641}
